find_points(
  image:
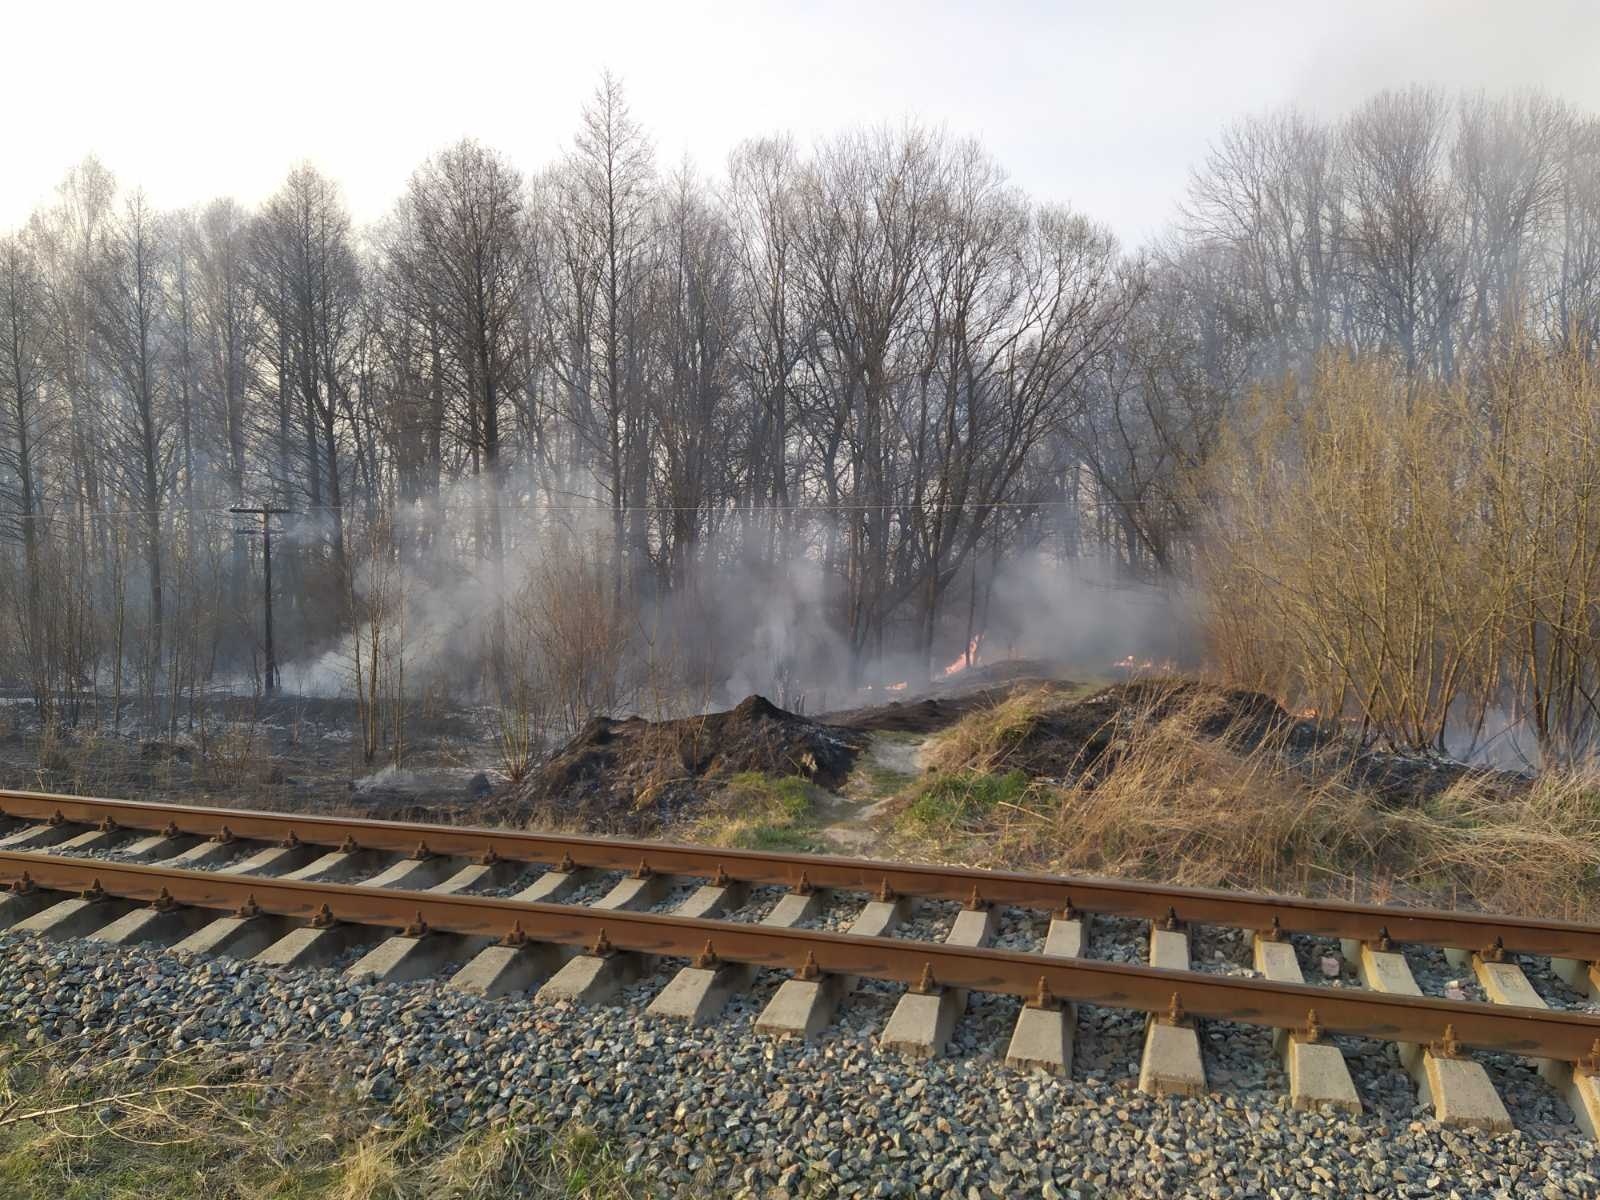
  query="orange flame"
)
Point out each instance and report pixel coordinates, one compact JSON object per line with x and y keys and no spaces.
{"x":968,"y":657}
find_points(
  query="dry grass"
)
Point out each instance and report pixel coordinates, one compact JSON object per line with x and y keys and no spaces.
{"x":76,"y":1125}
{"x":662,"y":757}
{"x":1172,"y":804}
{"x":223,"y":757}
{"x":984,"y":740}
{"x":235,"y":755}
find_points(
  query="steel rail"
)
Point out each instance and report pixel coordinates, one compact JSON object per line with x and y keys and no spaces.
{"x":1110,"y":897}
{"x":1543,"y":1033}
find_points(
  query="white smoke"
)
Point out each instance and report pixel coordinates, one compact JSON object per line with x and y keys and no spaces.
{"x":739,"y":624}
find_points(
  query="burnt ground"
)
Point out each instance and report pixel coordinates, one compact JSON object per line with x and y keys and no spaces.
{"x":302,"y":754}
{"x":1405,"y":779}
{"x":1085,"y":738}
{"x":289,"y":753}
{"x":636,"y":776}
{"x":633,"y":776}
{"x":933,"y":713}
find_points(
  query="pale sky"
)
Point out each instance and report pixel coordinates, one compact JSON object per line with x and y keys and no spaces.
{"x":1104,"y":105}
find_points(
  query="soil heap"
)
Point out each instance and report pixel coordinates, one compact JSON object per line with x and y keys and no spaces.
{"x":635,"y":776}
{"x":1084,"y":739}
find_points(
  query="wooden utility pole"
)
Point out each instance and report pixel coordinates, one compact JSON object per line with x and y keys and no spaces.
{"x":266,"y":515}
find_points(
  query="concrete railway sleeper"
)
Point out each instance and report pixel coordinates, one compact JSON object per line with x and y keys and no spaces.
{"x":587,"y":953}
{"x":175,"y":832}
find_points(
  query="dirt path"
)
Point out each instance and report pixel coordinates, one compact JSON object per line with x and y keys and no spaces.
{"x":890,"y":762}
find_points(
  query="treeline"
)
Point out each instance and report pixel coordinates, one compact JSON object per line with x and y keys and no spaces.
{"x":621,"y":382}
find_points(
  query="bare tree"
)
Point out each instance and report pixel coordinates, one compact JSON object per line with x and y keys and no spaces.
{"x":130,"y":312}
{"x":1270,"y":195}
{"x":866,"y":204}
{"x":692,"y":301}
{"x":604,"y":195}
{"x":24,"y":314}
{"x":763,"y":176}
{"x":1404,"y":230}
{"x":463,"y":263}
{"x":306,"y":263}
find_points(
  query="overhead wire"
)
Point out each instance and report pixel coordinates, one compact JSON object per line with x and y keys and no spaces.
{"x":597,"y":507}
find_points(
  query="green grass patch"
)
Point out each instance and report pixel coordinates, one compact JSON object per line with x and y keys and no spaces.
{"x":763,"y":812}
{"x":779,"y":839}
{"x":957,"y":798}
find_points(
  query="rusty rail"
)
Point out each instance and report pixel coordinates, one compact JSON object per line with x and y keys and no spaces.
{"x":1121,"y":898}
{"x":1543,"y":1033}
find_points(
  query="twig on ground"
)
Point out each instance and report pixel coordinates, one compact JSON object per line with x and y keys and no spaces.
{"x":190,"y":1089}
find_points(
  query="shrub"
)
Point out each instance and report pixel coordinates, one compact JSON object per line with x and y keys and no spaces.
{"x":1414,"y":555}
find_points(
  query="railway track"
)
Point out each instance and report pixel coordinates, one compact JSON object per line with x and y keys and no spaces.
{"x":303,"y":890}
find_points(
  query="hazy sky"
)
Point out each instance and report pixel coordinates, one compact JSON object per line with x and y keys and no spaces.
{"x":1104,"y":105}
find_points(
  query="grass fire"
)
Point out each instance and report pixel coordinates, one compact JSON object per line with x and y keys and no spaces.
{"x":715,"y":486}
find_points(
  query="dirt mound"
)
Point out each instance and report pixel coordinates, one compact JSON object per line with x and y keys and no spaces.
{"x":636,"y":776}
{"x":933,"y":713}
{"x":1084,"y":740}
{"x":1086,"y":737}
{"x":1410,"y":780}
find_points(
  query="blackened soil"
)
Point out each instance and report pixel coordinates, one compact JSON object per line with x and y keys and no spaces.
{"x":1085,"y":739}
{"x":933,"y":713}
{"x":635,"y":776}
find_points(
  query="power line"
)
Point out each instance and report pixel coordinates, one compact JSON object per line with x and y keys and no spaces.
{"x":600,"y":507}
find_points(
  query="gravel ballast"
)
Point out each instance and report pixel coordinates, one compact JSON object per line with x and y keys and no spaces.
{"x":720,"y":1109}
